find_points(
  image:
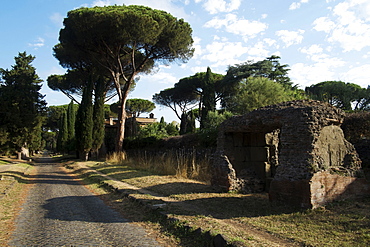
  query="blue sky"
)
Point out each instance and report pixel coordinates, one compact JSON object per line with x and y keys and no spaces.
{"x":320,"y":40}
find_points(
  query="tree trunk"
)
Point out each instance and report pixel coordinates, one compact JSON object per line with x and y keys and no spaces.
{"x":121,"y":126}
{"x":86,"y":156}
{"x":19,"y":155}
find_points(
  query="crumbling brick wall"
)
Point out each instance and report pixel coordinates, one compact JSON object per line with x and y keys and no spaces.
{"x":289,"y":149}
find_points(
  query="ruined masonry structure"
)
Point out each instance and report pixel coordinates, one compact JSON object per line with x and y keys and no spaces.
{"x":294,"y":150}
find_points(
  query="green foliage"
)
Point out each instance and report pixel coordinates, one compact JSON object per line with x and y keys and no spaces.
{"x":98,"y":118}
{"x":123,"y":41}
{"x":108,"y":112}
{"x":50,"y":139}
{"x":137,"y":106}
{"x":22,"y":106}
{"x":153,"y":130}
{"x":158,"y":130}
{"x":215,"y":118}
{"x":63,"y":132}
{"x":187,"y":124}
{"x":71,"y":120}
{"x":172,"y":129}
{"x":340,"y":94}
{"x":177,"y":99}
{"x":134,"y":107}
{"x":84,"y":124}
{"x":53,"y":116}
{"x":208,"y":135}
{"x":257,"y":92}
{"x":207,"y":86}
{"x":269,"y":68}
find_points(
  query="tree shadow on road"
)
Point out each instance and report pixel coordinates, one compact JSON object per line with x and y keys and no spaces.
{"x":81,"y":208}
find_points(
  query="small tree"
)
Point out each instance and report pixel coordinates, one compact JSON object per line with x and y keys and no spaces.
{"x":179,"y":101}
{"x":257,"y":92}
{"x":137,"y":106}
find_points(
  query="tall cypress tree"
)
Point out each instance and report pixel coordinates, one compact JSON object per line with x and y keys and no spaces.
{"x":63,"y":132}
{"x":98,"y":116}
{"x":84,"y":123}
{"x":71,"y":120}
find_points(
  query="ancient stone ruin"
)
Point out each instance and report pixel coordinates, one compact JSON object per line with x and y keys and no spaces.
{"x":294,"y":150}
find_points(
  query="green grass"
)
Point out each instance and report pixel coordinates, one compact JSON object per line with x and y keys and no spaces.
{"x":3,"y":162}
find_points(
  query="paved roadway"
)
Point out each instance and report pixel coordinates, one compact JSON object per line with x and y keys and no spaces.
{"x":59,"y":211}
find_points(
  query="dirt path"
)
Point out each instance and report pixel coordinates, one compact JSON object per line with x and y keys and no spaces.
{"x":59,"y":211}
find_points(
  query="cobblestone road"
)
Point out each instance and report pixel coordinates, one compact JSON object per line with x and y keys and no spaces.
{"x":60,"y":212}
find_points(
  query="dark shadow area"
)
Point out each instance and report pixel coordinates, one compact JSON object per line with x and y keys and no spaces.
{"x":119,"y":171}
{"x":60,"y":177}
{"x":229,"y":207}
{"x":179,"y":188}
{"x":220,"y":205}
{"x":81,"y":208}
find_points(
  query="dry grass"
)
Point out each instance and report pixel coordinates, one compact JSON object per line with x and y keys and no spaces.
{"x":245,"y":217}
{"x":12,"y":193}
{"x":180,"y":163}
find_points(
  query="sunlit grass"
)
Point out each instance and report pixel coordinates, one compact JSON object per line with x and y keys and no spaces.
{"x":12,"y":188}
{"x":2,"y":162}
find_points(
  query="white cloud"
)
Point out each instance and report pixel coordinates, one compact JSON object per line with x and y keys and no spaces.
{"x":297,"y":5}
{"x":290,"y":37}
{"x":323,"y":68}
{"x":224,"y":53}
{"x":294,"y":6}
{"x":161,"y":78}
{"x":358,"y":75}
{"x":198,"y":48}
{"x":269,"y":42}
{"x":258,"y":51}
{"x":101,"y":3}
{"x":217,"y":6}
{"x":323,"y":24}
{"x":40,"y":42}
{"x":348,"y":25}
{"x":242,"y":27}
{"x":305,"y":75}
{"x":199,"y":69}
{"x":311,"y":50}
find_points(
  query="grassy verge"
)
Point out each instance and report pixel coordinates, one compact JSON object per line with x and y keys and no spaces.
{"x":12,"y":193}
{"x":250,"y":219}
{"x":2,"y":162}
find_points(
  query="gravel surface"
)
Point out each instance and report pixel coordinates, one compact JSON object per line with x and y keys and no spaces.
{"x":61,"y":212}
